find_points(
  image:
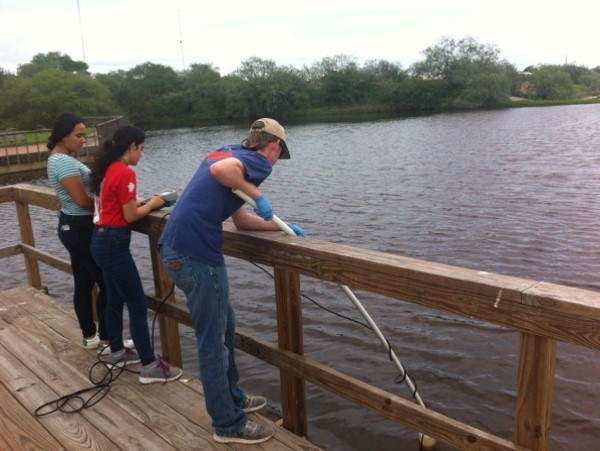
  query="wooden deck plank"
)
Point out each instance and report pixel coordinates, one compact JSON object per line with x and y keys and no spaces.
{"x":31,"y":391}
{"x":132,"y":396}
{"x":38,"y":376}
{"x":38,"y":304}
{"x":136,"y":401}
{"x":186,"y":403}
{"x":4,"y":445}
{"x":19,"y":428}
{"x":41,"y":359}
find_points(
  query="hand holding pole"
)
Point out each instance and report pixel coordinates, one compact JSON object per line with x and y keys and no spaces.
{"x":282,"y":225}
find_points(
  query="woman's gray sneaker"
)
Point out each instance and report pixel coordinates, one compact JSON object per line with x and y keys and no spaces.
{"x":125,"y":357}
{"x":159,"y":372}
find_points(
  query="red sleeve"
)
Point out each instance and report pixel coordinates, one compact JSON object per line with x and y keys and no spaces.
{"x":126,"y":185}
{"x":118,"y":187}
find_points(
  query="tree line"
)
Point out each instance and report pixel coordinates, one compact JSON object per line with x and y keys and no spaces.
{"x":453,"y":74}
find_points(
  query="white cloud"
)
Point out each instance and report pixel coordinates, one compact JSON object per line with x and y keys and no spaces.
{"x":121,"y":34}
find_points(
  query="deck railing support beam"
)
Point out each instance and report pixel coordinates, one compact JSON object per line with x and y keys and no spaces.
{"x":26,"y":230}
{"x":169,"y":327}
{"x":537,"y":364}
{"x":290,"y":338}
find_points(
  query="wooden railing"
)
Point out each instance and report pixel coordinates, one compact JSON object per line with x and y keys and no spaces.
{"x":543,"y":313}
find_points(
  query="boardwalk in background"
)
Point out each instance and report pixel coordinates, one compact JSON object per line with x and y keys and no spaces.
{"x":41,"y":359}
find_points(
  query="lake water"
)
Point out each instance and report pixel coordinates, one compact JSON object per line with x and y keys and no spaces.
{"x":513,"y":191}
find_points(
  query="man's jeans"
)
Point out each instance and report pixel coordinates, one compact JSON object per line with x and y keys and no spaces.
{"x":110,"y":249}
{"x":207,"y":291}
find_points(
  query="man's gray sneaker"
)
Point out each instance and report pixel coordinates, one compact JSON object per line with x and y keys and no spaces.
{"x":253,"y":403}
{"x":252,"y":433}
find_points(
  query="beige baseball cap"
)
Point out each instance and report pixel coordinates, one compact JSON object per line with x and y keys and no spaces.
{"x":274,"y":128}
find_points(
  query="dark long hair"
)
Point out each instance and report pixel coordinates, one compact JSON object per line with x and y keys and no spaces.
{"x":64,"y":124}
{"x":112,"y":150}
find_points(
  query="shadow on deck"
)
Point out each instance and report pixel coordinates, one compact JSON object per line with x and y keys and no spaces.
{"x":41,"y":359}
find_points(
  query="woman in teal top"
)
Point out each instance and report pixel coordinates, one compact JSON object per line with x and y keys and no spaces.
{"x":70,"y":179}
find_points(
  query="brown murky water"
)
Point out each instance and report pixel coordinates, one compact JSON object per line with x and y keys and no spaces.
{"x":514,"y":192}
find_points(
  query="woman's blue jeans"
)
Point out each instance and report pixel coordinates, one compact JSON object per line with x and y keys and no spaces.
{"x":110,"y":249}
{"x":206,"y":289}
{"x":75,"y":233}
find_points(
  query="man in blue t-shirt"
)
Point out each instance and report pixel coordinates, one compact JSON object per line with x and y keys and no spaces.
{"x":191,"y":249}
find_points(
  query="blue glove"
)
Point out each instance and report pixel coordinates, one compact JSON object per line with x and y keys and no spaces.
{"x":297,"y":230}
{"x":264,"y":208}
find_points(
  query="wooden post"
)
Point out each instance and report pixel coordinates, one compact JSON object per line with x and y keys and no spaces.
{"x":537,"y":363}
{"x":26,"y":230}
{"x":290,"y":337}
{"x":169,"y":327}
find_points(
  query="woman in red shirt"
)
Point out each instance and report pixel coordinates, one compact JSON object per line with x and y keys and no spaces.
{"x":113,"y":183}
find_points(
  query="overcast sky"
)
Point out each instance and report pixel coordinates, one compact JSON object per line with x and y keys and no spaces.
{"x":120,"y":34}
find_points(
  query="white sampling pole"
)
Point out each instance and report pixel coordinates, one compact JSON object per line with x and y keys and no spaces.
{"x":426,"y":441}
